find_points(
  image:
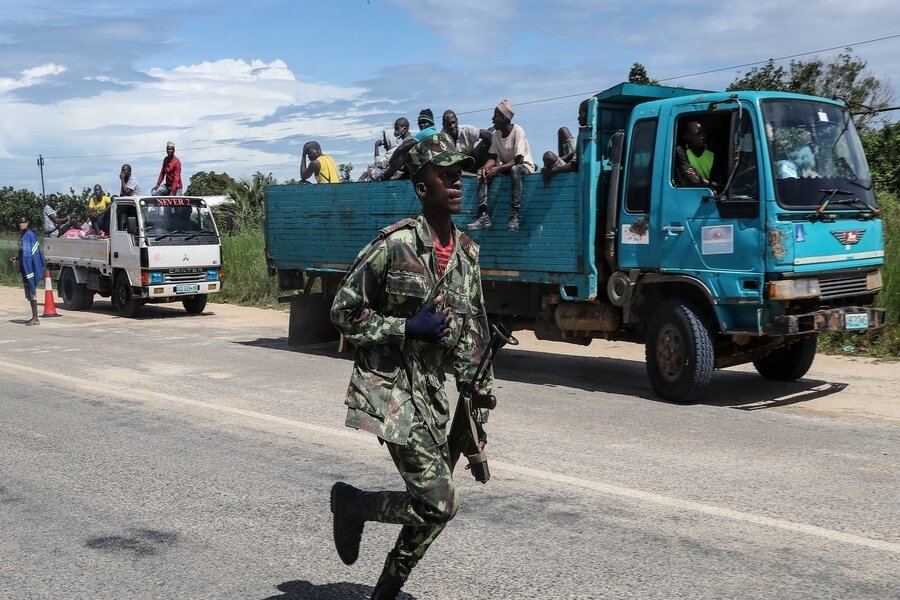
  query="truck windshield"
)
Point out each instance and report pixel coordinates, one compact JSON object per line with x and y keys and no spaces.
{"x":167,"y":218}
{"x":816,"y":156}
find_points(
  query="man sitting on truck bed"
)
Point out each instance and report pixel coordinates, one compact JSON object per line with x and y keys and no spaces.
{"x":509,"y":155}
{"x":98,"y":210}
{"x":56,"y":226}
{"x":567,"y":160}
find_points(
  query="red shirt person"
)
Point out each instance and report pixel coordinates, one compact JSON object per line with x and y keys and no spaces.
{"x":169,"y":175}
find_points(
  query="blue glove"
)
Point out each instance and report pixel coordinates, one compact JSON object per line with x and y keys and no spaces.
{"x":427,"y":326}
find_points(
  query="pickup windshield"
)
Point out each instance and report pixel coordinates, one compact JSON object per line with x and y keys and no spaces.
{"x":181,"y":219}
{"x":815,"y":150}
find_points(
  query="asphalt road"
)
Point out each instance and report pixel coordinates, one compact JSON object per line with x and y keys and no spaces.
{"x":178,"y":456}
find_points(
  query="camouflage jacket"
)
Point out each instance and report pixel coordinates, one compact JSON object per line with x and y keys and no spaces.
{"x":396,"y":380}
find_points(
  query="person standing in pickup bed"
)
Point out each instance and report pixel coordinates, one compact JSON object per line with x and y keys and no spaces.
{"x":169,"y":181}
{"x":411,"y":299}
{"x":31,"y":265}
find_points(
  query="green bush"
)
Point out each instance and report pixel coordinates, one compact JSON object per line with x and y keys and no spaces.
{"x":245,"y":278}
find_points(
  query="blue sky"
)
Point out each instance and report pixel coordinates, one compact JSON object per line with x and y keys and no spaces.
{"x":240,"y":86}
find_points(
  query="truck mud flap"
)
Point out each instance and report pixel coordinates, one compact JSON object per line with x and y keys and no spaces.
{"x":850,"y":318}
{"x":310,"y":321}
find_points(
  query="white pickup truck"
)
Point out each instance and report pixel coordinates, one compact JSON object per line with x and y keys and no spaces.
{"x":159,"y":249}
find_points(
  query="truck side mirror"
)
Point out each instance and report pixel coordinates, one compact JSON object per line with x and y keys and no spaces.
{"x":616,"y":145}
{"x":131,"y":224}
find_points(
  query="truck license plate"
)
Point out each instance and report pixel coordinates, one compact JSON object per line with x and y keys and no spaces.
{"x":194,"y":288}
{"x":856,"y":321}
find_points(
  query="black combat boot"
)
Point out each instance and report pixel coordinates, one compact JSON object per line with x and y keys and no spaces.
{"x":351,"y":508}
{"x":388,"y":586}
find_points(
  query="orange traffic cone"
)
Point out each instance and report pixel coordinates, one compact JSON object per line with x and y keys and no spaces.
{"x":49,"y":302}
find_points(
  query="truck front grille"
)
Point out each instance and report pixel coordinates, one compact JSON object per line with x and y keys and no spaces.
{"x":843,"y":286}
{"x":195,"y":277}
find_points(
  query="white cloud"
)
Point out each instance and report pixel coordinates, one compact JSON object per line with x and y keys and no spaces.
{"x":31,"y":77}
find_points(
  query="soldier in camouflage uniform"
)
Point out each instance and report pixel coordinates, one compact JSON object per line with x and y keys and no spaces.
{"x":412,"y":298}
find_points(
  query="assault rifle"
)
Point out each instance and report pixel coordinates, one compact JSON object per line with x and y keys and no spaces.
{"x":463,"y":435}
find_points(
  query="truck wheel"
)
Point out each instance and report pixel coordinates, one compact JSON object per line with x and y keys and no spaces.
{"x":127,"y":305}
{"x":788,"y":363}
{"x":195,"y":304}
{"x":75,"y":296}
{"x":679,"y":353}
{"x":68,"y":289}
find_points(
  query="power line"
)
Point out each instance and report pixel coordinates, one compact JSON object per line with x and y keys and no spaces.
{"x":523,"y":103}
{"x":761,"y":62}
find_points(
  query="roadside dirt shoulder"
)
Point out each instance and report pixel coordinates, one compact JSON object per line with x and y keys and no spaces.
{"x":852,"y":386}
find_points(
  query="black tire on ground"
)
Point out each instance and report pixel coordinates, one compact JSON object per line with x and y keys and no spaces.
{"x":679,"y":351}
{"x":68,"y":289}
{"x":75,"y":296}
{"x":195,"y":304}
{"x":127,"y":305}
{"x":788,"y":363}
{"x":87,"y":300}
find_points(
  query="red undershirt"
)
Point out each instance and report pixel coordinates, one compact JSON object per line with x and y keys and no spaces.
{"x":443,"y":254}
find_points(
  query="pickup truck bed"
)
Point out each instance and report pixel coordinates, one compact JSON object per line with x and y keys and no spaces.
{"x":77,"y":252}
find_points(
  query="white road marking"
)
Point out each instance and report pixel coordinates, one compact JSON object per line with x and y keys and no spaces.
{"x":527,"y":472}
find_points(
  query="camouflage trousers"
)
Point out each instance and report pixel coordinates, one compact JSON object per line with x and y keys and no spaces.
{"x":429,"y":502}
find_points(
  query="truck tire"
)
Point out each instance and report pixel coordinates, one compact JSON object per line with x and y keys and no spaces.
{"x":75,"y":296}
{"x":679,"y":353}
{"x":788,"y":363}
{"x":195,"y":304}
{"x":127,"y":305}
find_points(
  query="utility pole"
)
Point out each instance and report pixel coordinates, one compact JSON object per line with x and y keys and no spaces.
{"x":40,"y":162}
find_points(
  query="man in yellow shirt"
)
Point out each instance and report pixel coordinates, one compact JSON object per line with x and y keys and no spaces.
{"x":320,"y":165}
{"x":98,"y":210}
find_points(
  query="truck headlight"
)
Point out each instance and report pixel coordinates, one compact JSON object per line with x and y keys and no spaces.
{"x":212,"y":274}
{"x":794,"y":289}
{"x":152,"y":277}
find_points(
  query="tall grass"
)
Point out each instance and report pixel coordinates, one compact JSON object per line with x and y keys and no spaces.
{"x":245,"y":279}
{"x":884,"y":342}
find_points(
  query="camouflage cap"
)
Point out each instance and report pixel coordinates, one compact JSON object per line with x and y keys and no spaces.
{"x":437,"y":149}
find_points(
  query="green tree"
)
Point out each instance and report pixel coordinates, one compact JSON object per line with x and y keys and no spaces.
{"x":209,"y":183}
{"x":882,"y":150}
{"x":345,"y":169}
{"x":638,"y":74}
{"x":246,"y":200}
{"x":14,"y":204}
{"x":845,"y":77}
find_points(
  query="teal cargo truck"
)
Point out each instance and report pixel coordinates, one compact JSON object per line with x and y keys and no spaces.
{"x":787,"y":244}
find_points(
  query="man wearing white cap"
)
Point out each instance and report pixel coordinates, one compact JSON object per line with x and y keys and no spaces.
{"x":169,"y":181}
{"x":509,"y":155}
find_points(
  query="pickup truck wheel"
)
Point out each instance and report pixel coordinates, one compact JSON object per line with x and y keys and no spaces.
{"x":788,"y":363}
{"x":127,"y":305}
{"x":75,"y":296}
{"x":195,"y":304}
{"x":679,"y":353}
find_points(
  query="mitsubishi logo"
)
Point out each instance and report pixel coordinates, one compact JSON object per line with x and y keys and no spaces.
{"x":185,"y":259}
{"x":850,"y":237}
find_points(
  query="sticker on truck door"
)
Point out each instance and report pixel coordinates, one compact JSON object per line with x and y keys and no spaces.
{"x":636,"y":233}
{"x":718,"y":239}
